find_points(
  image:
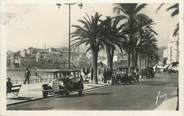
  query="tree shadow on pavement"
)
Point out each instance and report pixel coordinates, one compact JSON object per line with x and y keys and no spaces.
{"x":93,"y":93}
{"x":85,"y":95}
{"x":157,"y":83}
{"x":21,"y":98}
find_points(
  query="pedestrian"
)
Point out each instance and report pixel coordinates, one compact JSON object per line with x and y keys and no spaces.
{"x":108,"y":75}
{"x":105,"y":75}
{"x":137,"y":73}
{"x":27,"y":75}
{"x":8,"y":85}
{"x":100,"y":74}
{"x":91,"y":73}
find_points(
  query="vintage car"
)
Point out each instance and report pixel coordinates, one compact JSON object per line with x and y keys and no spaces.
{"x":121,"y":76}
{"x":148,"y":72}
{"x":64,"y":82}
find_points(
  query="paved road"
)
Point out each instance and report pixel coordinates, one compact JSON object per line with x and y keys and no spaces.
{"x":140,"y":96}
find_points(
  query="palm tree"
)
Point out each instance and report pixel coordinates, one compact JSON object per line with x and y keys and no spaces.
{"x":112,"y":36}
{"x":89,"y":35}
{"x":149,"y":47}
{"x":144,"y":25}
{"x":130,"y":11}
{"x":175,"y":11}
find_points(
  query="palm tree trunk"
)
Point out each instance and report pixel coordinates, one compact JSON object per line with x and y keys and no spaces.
{"x":110,"y":55}
{"x":136,"y":59}
{"x":129,"y":62}
{"x":145,"y":62}
{"x":132,"y":59}
{"x":95,"y":66}
{"x":91,"y":73}
{"x":148,"y":62}
{"x":140,"y":63}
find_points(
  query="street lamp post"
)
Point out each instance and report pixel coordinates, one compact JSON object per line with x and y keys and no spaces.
{"x":69,"y":29}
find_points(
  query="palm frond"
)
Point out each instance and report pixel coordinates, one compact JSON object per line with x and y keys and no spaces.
{"x":88,"y":49}
{"x":175,"y":12}
{"x":78,"y":43}
{"x":140,"y":7}
{"x":175,"y":6}
{"x":160,"y":6}
{"x":176,"y":30}
{"x":80,"y":29}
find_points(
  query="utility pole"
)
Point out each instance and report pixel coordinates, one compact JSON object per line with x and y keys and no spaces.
{"x":69,"y":29}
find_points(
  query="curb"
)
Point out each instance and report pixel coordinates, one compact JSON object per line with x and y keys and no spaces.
{"x":85,"y":90}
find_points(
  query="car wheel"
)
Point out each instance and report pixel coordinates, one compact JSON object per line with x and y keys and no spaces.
{"x":45,"y":94}
{"x":81,"y":87}
{"x":67,"y":93}
{"x":80,"y":92}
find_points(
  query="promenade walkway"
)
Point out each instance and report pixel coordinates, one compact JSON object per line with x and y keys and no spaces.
{"x":34,"y":91}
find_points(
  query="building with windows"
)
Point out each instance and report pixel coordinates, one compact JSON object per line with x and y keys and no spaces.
{"x":171,"y":53}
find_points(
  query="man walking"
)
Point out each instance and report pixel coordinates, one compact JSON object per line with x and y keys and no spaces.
{"x":27,"y":75}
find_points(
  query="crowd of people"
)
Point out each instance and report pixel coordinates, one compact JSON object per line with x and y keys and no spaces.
{"x":103,"y":74}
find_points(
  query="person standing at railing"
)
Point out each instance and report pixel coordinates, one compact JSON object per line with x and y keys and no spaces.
{"x":27,"y":75}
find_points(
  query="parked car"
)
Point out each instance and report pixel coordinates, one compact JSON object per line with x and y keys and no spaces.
{"x":121,"y":76}
{"x":159,"y":68}
{"x":148,"y":72}
{"x":173,"y":68}
{"x":64,"y":82}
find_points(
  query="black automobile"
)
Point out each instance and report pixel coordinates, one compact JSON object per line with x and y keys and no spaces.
{"x":63,"y":83}
{"x":121,"y":76}
{"x":129,"y":78}
{"x":148,"y":72}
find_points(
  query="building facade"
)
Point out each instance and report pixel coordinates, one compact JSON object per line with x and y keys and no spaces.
{"x":171,"y":53}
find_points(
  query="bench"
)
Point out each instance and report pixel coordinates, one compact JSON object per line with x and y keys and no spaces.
{"x":15,"y":89}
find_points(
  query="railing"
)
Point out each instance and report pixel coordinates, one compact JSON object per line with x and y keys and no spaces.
{"x":17,"y":77}
{"x":32,"y":80}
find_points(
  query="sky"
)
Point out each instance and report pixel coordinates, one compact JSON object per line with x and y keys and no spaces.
{"x":37,"y":25}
